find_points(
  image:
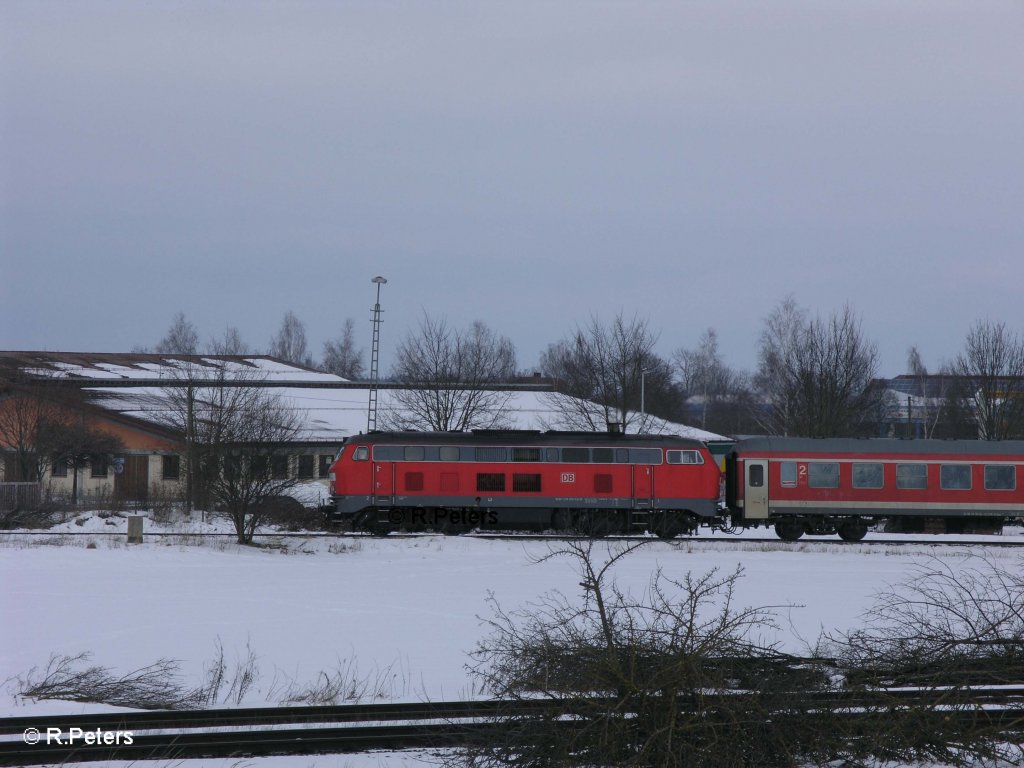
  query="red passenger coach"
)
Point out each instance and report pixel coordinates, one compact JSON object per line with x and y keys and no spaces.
{"x":596,"y":483}
{"x":803,"y":485}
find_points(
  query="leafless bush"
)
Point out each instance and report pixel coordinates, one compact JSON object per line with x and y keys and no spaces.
{"x":245,"y":674}
{"x":676,"y":677}
{"x":71,"y":678}
{"x":342,"y":685}
{"x":943,"y":629}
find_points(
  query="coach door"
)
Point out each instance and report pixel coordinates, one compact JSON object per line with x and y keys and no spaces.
{"x":383,"y":482}
{"x":755,"y":491}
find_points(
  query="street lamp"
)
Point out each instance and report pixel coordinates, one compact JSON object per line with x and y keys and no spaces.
{"x":371,"y":411}
{"x":643,"y":413}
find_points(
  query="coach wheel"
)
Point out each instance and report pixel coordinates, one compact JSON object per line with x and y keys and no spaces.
{"x":789,"y":530}
{"x":852,"y":530}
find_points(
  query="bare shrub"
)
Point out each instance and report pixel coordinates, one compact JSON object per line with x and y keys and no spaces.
{"x":677,"y":677}
{"x":344,"y":684}
{"x":71,"y":678}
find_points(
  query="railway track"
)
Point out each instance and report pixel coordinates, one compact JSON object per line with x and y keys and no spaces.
{"x":357,"y":728}
{"x":991,"y":541}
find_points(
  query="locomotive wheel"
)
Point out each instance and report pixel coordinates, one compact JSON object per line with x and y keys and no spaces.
{"x":598,"y":523}
{"x":789,"y":530}
{"x":562,"y":520}
{"x":667,"y":525}
{"x":852,"y":530}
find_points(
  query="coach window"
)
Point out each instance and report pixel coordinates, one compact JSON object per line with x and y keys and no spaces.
{"x":911,"y":477}
{"x":576,"y":455}
{"x":362,"y":453}
{"x":684,"y":457}
{"x":603,"y":455}
{"x":822,"y":474}
{"x":787,"y":474}
{"x":867,"y":475}
{"x":1000,"y":477}
{"x":449,"y":453}
{"x":955,"y":477}
{"x":526,"y":454}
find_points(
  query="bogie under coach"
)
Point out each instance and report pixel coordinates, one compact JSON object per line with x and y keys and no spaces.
{"x":844,"y":486}
{"x":595,"y":483}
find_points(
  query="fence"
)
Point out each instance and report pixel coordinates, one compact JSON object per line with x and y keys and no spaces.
{"x":20,"y":496}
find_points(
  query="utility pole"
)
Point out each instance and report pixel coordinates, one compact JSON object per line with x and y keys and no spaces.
{"x":371,"y":411}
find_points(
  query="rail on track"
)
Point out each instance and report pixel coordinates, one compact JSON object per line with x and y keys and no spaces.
{"x":266,"y":731}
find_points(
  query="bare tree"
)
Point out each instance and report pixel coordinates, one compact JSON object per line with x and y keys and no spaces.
{"x":182,"y":338}
{"x":605,"y":373}
{"x":341,"y":355}
{"x":817,"y":374}
{"x":290,"y":342}
{"x":25,"y":417}
{"x":450,"y":377}
{"x":724,"y":395}
{"x":237,"y":436}
{"x":230,"y":343}
{"x":990,"y":373}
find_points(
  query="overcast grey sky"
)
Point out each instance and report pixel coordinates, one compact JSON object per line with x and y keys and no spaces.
{"x":527,"y":164}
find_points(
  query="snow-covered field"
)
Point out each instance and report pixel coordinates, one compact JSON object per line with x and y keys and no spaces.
{"x":403,"y":612}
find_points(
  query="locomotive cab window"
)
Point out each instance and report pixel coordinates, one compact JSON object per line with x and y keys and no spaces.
{"x":868,"y":475}
{"x":911,"y":477}
{"x":955,"y":477}
{"x":1000,"y":477}
{"x":684,"y":457}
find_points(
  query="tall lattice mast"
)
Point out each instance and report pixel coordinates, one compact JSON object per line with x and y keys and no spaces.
{"x":371,"y":411}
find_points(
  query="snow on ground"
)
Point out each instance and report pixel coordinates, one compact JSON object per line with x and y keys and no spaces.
{"x":403,"y":612}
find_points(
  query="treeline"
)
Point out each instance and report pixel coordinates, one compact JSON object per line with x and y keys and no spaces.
{"x":815,"y":377}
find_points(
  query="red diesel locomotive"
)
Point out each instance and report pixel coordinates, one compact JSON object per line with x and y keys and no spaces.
{"x":596,"y":483}
{"x":824,"y":486}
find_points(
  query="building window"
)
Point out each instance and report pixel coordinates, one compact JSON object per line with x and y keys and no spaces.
{"x":490,"y":481}
{"x":867,"y":475}
{"x":526,"y":483}
{"x":306,"y":466}
{"x":1000,"y":477}
{"x":99,"y":467}
{"x":911,"y":477}
{"x":171,"y":467}
{"x":822,"y":474}
{"x":955,"y":477}
{"x":324,"y":462}
{"x":59,"y":468}
{"x":279,"y":466}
